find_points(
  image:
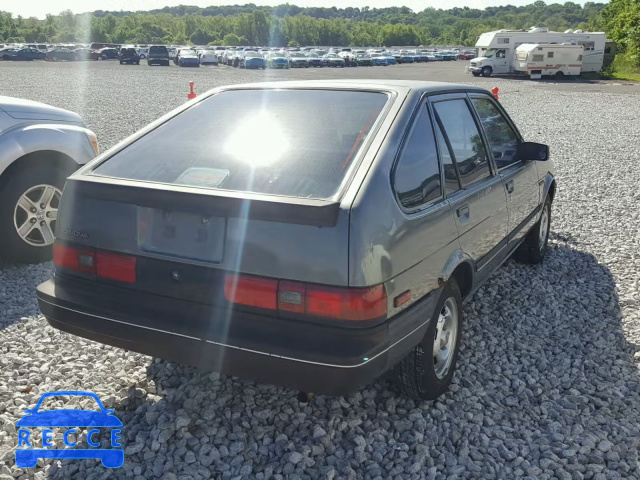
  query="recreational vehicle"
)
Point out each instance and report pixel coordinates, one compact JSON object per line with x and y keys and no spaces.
{"x":538,"y":59}
{"x":496,"y":50}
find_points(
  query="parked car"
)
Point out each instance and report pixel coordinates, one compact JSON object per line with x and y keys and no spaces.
{"x":81,"y":53}
{"x":104,"y":54}
{"x":349,"y":58}
{"x":277,"y":60}
{"x":252,"y":59}
{"x":311,"y":287}
{"x":380,"y":60}
{"x":209,"y":57}
{"x":40,"y":146}
{"x":364,"y":60}
{"x":332,"y":60}
{"x":8,"y":53}
{"x":314,"y":60}
{"x":158,"y":55}
{"x":26,"y":54}
{"x":228,"y":56}
{"x":129,"y":55}
{"x":143,"y":52}
{"x":468,"y":55}
{"x":298,"y":60}
{"x":59,"y":54}
{"x":188,"y":58}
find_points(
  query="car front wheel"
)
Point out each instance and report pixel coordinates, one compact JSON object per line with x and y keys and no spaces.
{"x":487,"y":71}
{"x":534,"y":248}
{"x":28,"y":213}
{"x":426,"y":372}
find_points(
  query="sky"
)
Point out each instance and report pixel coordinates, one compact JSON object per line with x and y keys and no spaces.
{"x":39,"y":8}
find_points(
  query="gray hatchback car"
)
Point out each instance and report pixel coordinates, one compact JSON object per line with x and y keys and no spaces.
{"x":316,"y":250}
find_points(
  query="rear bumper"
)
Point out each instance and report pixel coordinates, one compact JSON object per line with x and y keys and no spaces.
{"x":306,"y":356}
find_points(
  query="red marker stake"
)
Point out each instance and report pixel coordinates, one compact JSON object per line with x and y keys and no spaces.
{"x":191,"y":95}
{"x":494,"y":90}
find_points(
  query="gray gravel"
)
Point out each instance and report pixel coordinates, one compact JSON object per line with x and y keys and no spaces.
{"x":547,"y":383}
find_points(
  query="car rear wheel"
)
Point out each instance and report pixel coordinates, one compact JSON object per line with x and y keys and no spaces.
{"x":28,"y":213}
{"x":534,"y":248}
{"x":427,"y":371}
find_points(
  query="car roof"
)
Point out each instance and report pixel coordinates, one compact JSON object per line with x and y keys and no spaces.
{"x":400,"y":86}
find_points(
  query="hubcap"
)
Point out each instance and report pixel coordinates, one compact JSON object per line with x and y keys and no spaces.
{"x":444,"y":343}
{"x":36,"y":213}
{"x":544,"y":227}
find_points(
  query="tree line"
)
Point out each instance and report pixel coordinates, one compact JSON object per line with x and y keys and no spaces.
{"x":290,"y":25}
{"x":621,"y":18}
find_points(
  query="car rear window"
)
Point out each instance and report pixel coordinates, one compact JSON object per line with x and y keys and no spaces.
{"x":159,"y":50}
{"x":297,"y":143}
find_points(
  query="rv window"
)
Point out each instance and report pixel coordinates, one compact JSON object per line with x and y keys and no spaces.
{"x":503,"y":40}
{"x":501,"y":54}
{"x":607,"y":50}
{"x":538,"y":58}
{"x":502,"y":139}
{"x":579,"y":58}
{"x":588,"y":46}
{"x":549,"y":54}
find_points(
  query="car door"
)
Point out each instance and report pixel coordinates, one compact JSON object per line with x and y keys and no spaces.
{"x":479,"y":208}
{"x":520,"y":177}
{"x":501,"y":61}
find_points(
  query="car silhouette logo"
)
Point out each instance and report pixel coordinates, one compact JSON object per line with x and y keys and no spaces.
{"x":28,"y":457}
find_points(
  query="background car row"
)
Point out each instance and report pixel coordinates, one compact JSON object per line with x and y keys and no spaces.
{"x":242,"y":57}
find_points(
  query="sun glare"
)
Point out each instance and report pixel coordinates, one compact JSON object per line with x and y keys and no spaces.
{"x":260,"y":141}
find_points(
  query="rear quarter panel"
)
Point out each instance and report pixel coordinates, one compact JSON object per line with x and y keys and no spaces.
{"x":403,"y":251}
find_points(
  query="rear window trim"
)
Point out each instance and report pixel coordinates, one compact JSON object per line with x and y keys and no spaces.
{"x":355,"y":165}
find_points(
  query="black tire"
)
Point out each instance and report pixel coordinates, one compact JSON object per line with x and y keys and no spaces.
{"x":475,"y":74}
{"x":534,"y":248}
{"x":559,"y":75}
{"x":487,"y":71}
{"x":415,"y":375}
{"x":14,"y":248}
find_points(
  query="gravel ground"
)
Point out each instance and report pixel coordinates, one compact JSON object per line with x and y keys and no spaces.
{"x":547,"y":383}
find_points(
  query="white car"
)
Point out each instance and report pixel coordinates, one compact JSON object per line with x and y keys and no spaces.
{"x":40,"y":146}
{"x":143,"y":52}
{"x":208,"y":57}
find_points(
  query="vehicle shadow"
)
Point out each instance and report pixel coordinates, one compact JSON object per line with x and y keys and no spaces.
{"x":546,"y":380}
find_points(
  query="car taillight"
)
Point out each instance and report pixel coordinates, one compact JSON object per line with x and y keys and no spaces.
{"x":78,"y":259}
{"x":95,"y":262}
{"x":354,"y":304}
{"x":116,"y":267}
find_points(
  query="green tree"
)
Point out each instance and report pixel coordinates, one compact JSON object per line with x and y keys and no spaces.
{"x":231,"y":40}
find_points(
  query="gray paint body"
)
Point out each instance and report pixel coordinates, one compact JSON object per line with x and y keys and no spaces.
{"x":29,"y":127}
{"x":374,"y":240}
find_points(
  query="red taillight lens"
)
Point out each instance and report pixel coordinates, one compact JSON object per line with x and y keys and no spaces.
{"x":346,"y":304}
{"x":251,"y":291}
{"x":95,"y":262}
{"x":79,"y":259}
{"x":116,"y":267}
{"x":329,"y":302}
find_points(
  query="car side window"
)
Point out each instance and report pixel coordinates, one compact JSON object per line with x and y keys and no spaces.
{"x":451,"y":178}
{"x":416,"y":178}
{"x":464,"y":138}
{"x":503,"y":140}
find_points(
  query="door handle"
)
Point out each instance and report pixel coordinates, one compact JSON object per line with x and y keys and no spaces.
{"x":509,"y":186}
{"x":463,"y":213}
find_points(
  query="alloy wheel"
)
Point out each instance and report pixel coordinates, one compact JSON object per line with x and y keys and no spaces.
{"x":36,"y":213}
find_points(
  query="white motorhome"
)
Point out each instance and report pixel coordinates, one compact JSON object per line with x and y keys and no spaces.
{"x":496,"y":50}
{"x":538,"y":59}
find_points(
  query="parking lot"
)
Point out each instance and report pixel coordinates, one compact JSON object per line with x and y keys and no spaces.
{"x":548,"y":382}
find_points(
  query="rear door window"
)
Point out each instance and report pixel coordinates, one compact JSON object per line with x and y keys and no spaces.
{"x":298,"y":143}
{"x":416,"y":178}
{"x":465,"y":140}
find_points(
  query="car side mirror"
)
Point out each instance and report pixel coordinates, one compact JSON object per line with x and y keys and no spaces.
{"x":533,"y":151}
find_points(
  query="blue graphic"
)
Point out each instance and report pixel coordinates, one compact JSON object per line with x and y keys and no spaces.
{"x":28,"y":457}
